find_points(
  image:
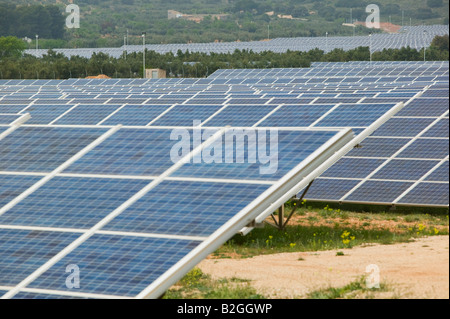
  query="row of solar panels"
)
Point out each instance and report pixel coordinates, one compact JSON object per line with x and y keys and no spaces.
{"x":357,"y":114}
{"x":315,"y":93}
{"x":403,"y":153}
{"x":416,"y":139}
{"x":417,"y":38}
{"x":429,"y":71}
{"x":369,"y":71}
{"x":106,"y":199}
{"x":358,"y":64}
{"x":122,"y":225}
{"x":305,"y":109}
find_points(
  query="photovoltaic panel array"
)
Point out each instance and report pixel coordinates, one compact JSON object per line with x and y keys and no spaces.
{"x":105,"y":200}
{"x":404,"y":162}
{"x":415,"y":37}
{"x":333,"y":95}
{"x":88,"y":179}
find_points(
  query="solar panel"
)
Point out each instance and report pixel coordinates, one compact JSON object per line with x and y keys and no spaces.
{"x":123,"y":231}
{"x":185,"y":115}
{"x":43,"y":149}
{"x":70,"y":202}
{"x":425,"y":194}
{"x":8,"y":118}
{"x":240,"y":115}
{"x":402,"y":163}
{"x":296,"y":115}
{"x":46,"y":114}
{"x":135,"y":115}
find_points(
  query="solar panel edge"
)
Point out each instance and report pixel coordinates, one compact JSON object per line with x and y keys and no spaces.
{"x":59,"y":168}
{"x":17,"y":289}
{"x":276,"y":195}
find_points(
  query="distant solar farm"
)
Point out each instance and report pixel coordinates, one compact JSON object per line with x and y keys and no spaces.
{"x":85,"y":174}
{"x":416,"y":37}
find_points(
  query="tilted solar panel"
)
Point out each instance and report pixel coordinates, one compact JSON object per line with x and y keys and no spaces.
{"x":402,"y":163}
{"x":9,"y":118}
{"x":113,"y":215}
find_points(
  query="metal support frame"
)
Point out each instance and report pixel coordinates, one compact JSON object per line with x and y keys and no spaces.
{"x":282,"y":222}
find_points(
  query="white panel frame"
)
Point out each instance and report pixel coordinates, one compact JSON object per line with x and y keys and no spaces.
{"x":282,"y":189}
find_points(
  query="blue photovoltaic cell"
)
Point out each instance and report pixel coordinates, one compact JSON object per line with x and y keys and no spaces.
{"x":72,"y":202}
{"x":45,"y":114}
{"x":23,"y":251}
{"x":11,"y":109}
{"x":355,"y":115}
{"x":412,"y":170}
{"x":166,"y":101}
{"x":130,"y":152}
{"x":8,"y":119}
{"x":353,"y":168}
{"x":41,"y":101}
{"x":43,"y":149}
{"x":296,"y":101}
{"x":205,"y":208}
{"x":397,"y":94}
{"x":203,"y":101}
{"x":379,"y":191}
{"x":440,"y":174}
{"x":336,"y":100}
{"x":440,"y":129}
{"x":378,"y":147}
{"x":385,"y":100}
{"x":117,"y":265}
{"x":296,"y":115}
{"x":436,"y":93}
{"x":15,"y":101}
{"x":248,"y":101}
{"x":293,"y":146}
{"x":31,"y":295}
{"x":330,"y":189}
{"x":319,"y":94}
{"x":403,"y":127}
{"x":426,"y":148}
{"x":91,"y":101}
{"x":126,"y":101}
{"x":428,"y":194}
{"x":185,"y":115}
{"x":240,"y":115}
{"x":136,"y":115}
{"x":425,"y":107}
{"x":360,"y":95}
{"x":12,"y":186}
{"x":87,"y":114}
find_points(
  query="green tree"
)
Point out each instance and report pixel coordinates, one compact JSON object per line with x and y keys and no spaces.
{"x":300,"y":12}
{"x":435,"y":3}
{"x":441,"y":43}
{"x":11,"y":47}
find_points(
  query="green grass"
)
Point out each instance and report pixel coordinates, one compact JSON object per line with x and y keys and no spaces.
{"x":306,"y":238}
{"x":313,"y":229}
{"x":353,"y":290}
{"x":197,"y":285}
{"x":330,"y":229}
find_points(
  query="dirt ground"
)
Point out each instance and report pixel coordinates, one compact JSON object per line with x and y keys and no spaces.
{"x":416,"y":270}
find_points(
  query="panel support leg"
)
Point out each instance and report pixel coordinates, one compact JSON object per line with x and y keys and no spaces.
{"x":281,"y":222}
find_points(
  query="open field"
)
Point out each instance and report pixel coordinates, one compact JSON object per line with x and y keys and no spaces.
{"x":324,"y":254}
{"x":419,"y":269}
